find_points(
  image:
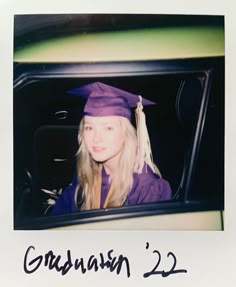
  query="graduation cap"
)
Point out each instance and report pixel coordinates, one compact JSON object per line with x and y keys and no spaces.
{"x":105,"y":100}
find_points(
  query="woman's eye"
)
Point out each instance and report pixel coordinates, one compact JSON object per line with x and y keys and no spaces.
{"x":109,"y":128}
{"x":88,"y":128}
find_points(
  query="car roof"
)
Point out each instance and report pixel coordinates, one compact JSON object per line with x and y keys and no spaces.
{"x":152,"y":43}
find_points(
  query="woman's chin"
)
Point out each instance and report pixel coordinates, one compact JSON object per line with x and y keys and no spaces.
{"x":99,"y":158}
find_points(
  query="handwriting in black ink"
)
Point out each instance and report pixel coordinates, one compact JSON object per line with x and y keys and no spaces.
{"x":52,"y":261}
{"x":163,"y":273}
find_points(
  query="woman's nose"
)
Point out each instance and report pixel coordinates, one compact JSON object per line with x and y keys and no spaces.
{"x":97,"y":136}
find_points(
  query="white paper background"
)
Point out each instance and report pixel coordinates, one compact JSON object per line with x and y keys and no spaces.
{"x":209,"y":257}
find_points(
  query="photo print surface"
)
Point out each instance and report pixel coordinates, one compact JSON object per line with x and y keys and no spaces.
{"x":176,"y":64}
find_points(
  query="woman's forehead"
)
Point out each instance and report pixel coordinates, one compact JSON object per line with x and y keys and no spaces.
{"x":102,"y":120}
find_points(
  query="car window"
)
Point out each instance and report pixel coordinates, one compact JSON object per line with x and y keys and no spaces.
{"x":186,"y":146}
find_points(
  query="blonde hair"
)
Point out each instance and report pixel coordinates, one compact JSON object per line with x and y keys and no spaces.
{"x":89,"y":171}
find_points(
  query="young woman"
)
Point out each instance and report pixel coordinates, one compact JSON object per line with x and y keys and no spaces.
{"x":114,"y":161}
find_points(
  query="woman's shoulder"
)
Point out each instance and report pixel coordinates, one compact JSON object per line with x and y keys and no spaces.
{"x":148,"y":177}
{"x":149,"y":187}
{"x":146,"y":174}
{"x":65,"y":202}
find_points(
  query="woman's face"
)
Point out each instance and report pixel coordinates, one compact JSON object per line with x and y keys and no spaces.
{"x":104,"y":138}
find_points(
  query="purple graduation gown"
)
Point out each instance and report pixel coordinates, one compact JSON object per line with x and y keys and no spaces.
{"x":147,"y":187}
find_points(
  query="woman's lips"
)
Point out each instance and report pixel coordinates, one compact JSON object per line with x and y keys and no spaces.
{"x":98,"y":149}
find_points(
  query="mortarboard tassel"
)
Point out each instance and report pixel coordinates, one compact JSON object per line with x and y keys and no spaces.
{"x":144,"y":152}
